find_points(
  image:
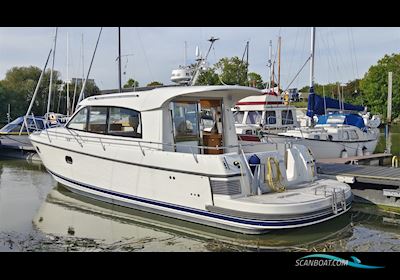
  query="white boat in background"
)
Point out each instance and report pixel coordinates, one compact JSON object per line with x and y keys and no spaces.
{"x":151,"y":151}
{"x":336,"y":135}
{"x":266,"y":112}
{"x":342,"y":129}
{"x":16,"y":132}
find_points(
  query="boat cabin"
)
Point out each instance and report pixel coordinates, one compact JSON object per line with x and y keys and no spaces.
{"x":195,"y":119}
{"x":266,"y":111}
{"x":14,"y":127}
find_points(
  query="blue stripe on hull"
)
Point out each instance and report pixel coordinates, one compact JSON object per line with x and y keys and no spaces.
{"x":261,"y":223}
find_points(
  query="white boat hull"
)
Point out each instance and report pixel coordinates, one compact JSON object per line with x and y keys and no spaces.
{"x":322,"y":149}
{"x":129,"y":192}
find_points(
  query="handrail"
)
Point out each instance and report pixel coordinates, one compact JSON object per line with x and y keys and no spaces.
{"x":132,"y":141}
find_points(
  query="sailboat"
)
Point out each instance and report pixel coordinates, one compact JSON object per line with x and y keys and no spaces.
{"x":266,"y":112}
{"x":341,"y":130}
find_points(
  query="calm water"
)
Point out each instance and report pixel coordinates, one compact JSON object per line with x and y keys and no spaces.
{"x":395,"y":139}
{"x":37,"y":214}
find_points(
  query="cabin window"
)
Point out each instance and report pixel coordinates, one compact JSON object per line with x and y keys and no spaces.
{"x":270,"y":117}
{"x":79,"y":121}
{"x":345,"y":135}
{"x":254,"y":117}
{"x":353,"y":135}
{"x":238,"y":116}
{"x":185,"y":120}
{"x":287,"y":117}
{"x":97,"y":119}
{"x":124,"y":122}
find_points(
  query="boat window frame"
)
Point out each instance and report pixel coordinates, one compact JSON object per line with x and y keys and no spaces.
{"x":107,"y":121}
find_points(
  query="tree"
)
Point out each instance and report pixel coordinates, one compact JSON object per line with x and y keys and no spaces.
{"x":374,"y":85}
{"x":154,"y":84}
{"x":255,"y":80}
{"x":19,"y":86}
{"x":233,"y":71}
{"x":131,"y":83}
{"x":208,"y":77}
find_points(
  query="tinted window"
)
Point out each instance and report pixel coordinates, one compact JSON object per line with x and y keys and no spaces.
{"x":79,"y":120}
{"x":254,"y":117}
{"x":125,"y":122}
{"x":97,"y":119}
{"x":270,"y":117}
{"x":238,"y":116}
{"x":287,"y":117}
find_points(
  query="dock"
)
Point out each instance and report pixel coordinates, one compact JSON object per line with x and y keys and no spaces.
{"x":373,"y":159}
{"x":371,"y":184}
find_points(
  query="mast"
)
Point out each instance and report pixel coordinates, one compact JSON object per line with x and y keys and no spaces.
{"x":247,"y":60}
{"x":34,"y":94}
{"x":184,"y":55}
{"x":119,"y":59}
{"x":312,"y":60}
{"x":76,"y":79}
{"x":51,"y":73}
{"x":68,"y":103}
{"x":279,"y":65}
{"x":81,"y":95}
{"x":270,"y":64}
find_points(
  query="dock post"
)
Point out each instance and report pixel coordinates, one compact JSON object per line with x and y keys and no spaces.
{"x":389,"y":114}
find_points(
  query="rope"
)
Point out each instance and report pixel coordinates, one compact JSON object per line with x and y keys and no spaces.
{"x":274,"y":182}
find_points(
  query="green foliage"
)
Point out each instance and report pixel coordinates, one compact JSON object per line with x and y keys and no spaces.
{"x":154,"y":84}
{"x":351,"y":91}
{"x":255,"y":80}
{"x":19,"y":85}
{"x":208,"y":77}
{"x":131,"y":83}
{"x":374,"y":85}
{"x":232,"y":72}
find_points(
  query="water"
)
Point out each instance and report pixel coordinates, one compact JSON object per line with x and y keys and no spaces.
{"x":37,"y":214}
{"x":394,"y":137}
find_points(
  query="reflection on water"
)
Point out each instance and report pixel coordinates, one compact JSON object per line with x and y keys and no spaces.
{"x":394,"y":137}
{"x":36,"y":213}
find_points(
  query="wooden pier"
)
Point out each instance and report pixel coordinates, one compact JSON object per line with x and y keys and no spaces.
{"x":379,"y":184}
{"x":373,"y":159}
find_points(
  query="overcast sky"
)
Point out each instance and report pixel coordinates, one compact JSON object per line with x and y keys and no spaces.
{"x":342,"y":53}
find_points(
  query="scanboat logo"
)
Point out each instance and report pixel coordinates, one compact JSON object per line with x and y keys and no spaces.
{"x":329,"y":260}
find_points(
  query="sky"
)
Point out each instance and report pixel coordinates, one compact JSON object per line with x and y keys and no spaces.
{"x":151,"y":53}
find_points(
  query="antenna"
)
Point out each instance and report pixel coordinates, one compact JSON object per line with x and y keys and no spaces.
{"x":119,"y":60}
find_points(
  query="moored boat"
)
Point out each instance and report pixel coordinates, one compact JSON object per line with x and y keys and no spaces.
{"x":155,"y":151}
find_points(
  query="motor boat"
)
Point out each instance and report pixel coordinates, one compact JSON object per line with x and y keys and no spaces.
{"x":342,"y":130}
{"x":266,"y":112}
{"x":151,"y":151}
{"x":16,"y":132}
